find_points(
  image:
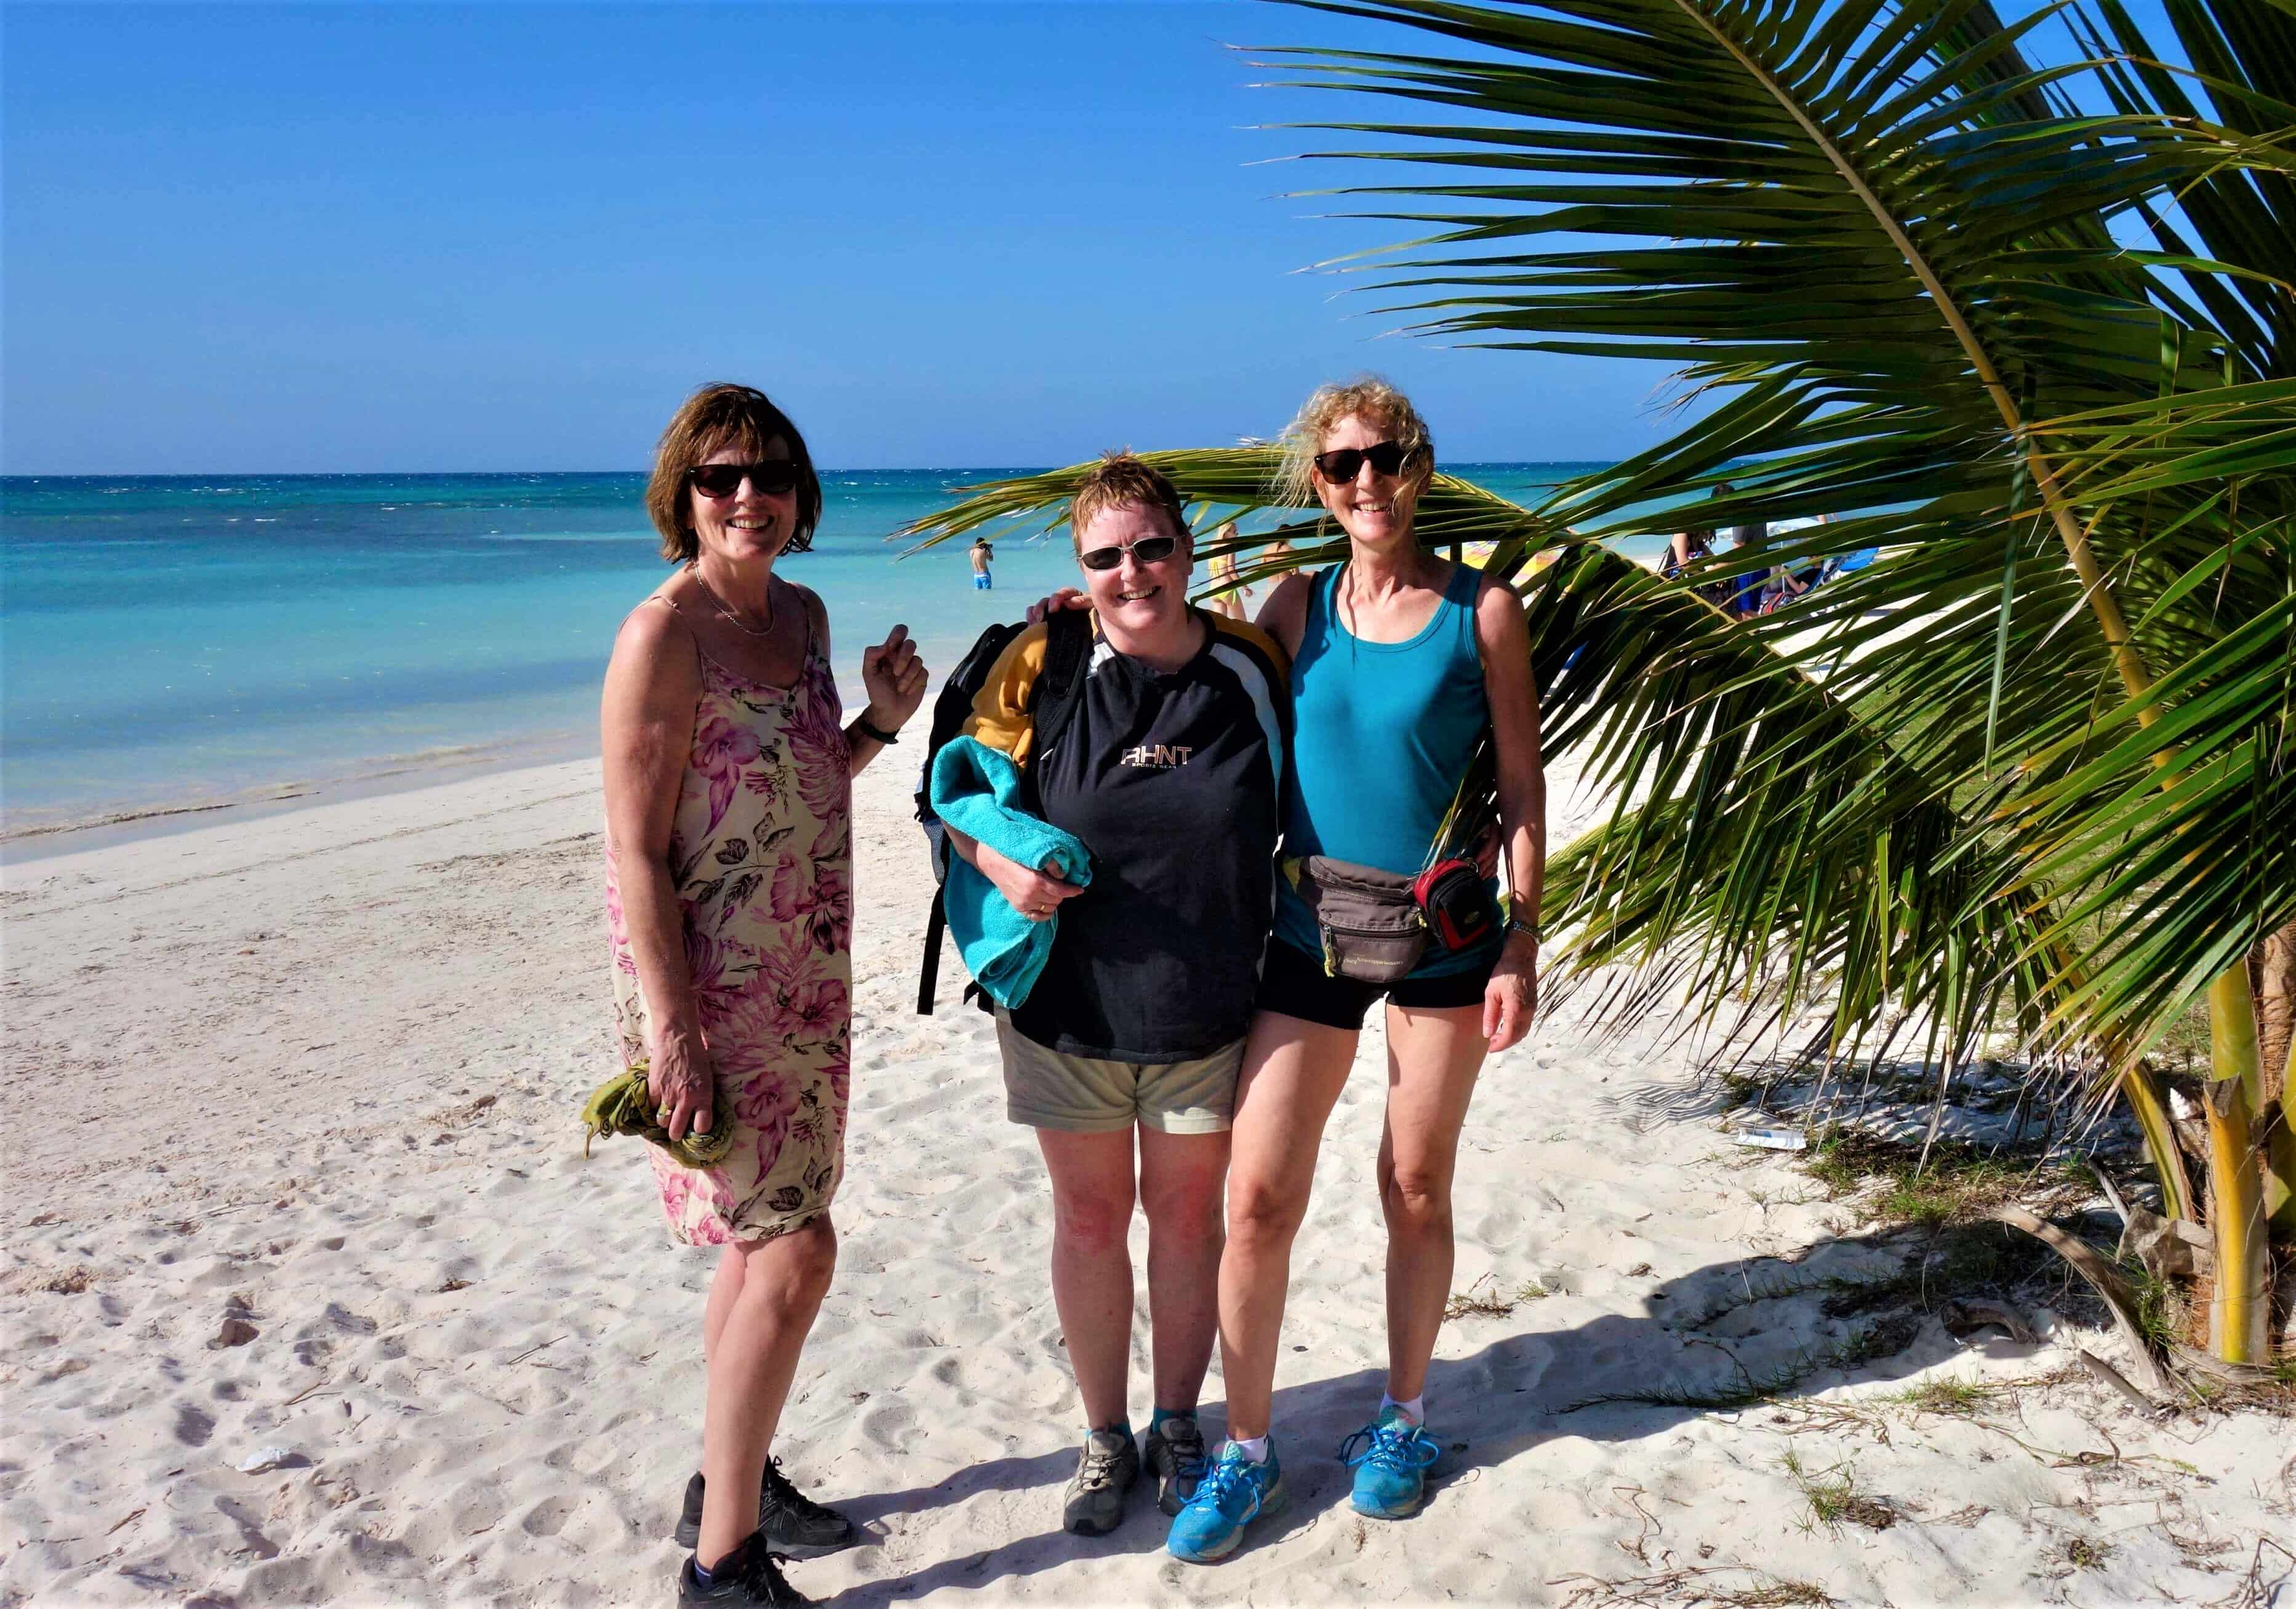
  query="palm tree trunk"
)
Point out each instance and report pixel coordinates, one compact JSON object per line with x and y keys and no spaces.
{"x":2273,"y":967}
{"x":2240,"y":1310}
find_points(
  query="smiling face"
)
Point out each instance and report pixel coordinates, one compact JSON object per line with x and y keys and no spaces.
{"x":1373,"y":509}
{"x":1136,"y":600}
{"x":749,"y":526}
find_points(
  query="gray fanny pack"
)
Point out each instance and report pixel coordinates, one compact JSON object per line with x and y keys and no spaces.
{"x":1369,"y":920}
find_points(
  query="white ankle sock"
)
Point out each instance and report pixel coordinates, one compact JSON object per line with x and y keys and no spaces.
{"x":1254,"y":1447}
{"x":1415,"y":1410}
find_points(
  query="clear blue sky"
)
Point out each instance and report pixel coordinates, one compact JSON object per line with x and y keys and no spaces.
{"x":327,"y":238}
{"x":504,"y":237}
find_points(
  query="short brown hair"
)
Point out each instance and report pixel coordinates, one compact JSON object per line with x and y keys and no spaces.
{"x":1117,"y":480}
{"x":716,"y":417}
{"x":1366,"y":396}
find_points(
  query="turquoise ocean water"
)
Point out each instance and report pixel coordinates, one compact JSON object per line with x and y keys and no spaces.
{"x":168,"y":643}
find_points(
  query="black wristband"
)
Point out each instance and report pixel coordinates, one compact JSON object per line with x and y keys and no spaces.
{"x":861,"y":725}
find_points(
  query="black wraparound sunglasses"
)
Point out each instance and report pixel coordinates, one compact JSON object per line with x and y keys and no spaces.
{"x":770,"y":477}
{"x":1147,"y":550}
{"x":1339,"y":465}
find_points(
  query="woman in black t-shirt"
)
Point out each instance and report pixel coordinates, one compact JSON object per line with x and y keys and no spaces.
{"x":1169,"y":772}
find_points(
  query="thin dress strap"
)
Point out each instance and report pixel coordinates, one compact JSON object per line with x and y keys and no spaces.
{"x":812,"y":645}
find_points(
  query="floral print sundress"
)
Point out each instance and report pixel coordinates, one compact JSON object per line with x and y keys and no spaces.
{"x":762,"y":850}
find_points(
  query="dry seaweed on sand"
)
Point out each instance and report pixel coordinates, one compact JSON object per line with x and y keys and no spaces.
{"x":1691,"y":1587}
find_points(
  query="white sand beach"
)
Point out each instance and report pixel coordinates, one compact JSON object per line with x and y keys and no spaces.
{"x":310,"y":1295}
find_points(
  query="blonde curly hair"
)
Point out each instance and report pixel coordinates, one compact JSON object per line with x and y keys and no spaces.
{"x":1366,"y":396}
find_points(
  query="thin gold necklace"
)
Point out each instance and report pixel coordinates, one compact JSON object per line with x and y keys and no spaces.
{"x":732,"y":619}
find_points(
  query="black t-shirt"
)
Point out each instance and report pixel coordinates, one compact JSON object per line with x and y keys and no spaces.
{"x":1172,"y":782}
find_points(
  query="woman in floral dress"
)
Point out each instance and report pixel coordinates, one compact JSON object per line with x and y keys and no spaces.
{"x":729,"y":892}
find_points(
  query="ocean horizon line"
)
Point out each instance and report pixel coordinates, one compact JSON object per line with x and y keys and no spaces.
{"x":1460,"y":464}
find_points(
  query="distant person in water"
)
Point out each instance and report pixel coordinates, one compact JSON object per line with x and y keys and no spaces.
{"x":982,"y":555}
{"x":732,"y":961}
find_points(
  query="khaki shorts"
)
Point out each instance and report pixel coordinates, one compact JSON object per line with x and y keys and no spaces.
{"x":1047,"y":1088}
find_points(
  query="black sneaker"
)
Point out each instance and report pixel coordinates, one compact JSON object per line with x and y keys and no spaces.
{"x":1174,"y":1456}
{"x":750,"y":1574}
{"x":1106,"y":1470}
{"x":792,"y":1522}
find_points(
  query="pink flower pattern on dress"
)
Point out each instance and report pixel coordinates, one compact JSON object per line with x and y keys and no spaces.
{"x":818,"y":899}
{"x":761,"y":848}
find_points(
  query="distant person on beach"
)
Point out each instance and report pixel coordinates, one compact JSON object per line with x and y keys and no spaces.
{"x":728,"y":785}
{"x":1744,"y":596}
{"x":1169,"y":771}
{"x":1227,"y":596}
{"x":1400,"y":663}
{"x":1688,"y":547}
{"x":1685,"y":546}
{"x":982,"y":555}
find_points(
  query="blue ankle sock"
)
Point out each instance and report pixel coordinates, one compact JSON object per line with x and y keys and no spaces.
{"x":702,"y":1578}
{"x":1162,"y":1415}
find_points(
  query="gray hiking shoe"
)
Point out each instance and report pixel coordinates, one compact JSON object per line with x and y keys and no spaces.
{"x":1105,"y":1471}
{"x":1174,"y":1456}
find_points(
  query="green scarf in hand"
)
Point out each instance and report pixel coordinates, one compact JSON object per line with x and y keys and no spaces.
{"x":623,"y":1104}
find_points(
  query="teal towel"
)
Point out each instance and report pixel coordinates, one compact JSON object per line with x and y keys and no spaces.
{"x":974,"y":788}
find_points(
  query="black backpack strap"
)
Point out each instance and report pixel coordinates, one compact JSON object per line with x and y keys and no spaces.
{"x":1068,"y":655}
{"x":935,"y":924}
{"x":1068,"y":651}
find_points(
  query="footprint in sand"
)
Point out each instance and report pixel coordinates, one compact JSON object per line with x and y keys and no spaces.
{"x":546,"y":1518}
{"x":193,"y":1425}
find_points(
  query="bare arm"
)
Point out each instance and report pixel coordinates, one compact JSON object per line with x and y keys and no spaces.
{"x":646,"y":724}
{"x":1285,"y":615}
{"x":1512,"y":998}
{"x":891,"y":673}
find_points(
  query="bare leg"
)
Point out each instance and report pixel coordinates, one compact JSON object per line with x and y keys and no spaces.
{"x":1092,"y":1264}
{"x":724,"y":1289}
{"x":782,"y":1284}
{"x":1433,"y":1058}
{"x":1292,"y":1075}
{"x":1180,"y":1192}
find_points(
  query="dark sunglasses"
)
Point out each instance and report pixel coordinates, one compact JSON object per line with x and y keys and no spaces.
{"x":770,"y":478}
{"x":1147,"y":550}
{"x":1338,"y":466}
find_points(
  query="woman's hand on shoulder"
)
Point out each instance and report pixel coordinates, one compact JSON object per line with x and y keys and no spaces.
{"x":1510,"y":998}
{"x":1060,"y":598}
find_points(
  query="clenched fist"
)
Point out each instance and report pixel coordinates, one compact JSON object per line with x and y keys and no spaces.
{"x":894,"y":679}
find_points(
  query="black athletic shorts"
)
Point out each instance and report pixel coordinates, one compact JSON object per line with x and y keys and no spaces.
{"x":1294,"y":982}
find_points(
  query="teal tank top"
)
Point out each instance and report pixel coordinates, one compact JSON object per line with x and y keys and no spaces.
{"x":1383,"y":734}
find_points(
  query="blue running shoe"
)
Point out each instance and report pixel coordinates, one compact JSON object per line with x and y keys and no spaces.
{"x":1390,"y":1457}
{"x":1233,"y":1493}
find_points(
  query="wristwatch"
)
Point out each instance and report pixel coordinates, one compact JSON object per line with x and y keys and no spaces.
{"x":1526,"y":925}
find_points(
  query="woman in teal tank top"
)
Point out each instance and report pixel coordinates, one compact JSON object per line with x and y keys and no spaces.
{"x":1377,"y":767}
{"x":1399,"y":660}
